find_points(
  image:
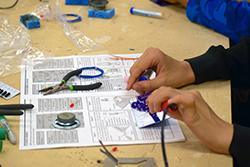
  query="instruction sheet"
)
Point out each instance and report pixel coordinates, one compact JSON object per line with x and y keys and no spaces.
{"x":105,"y":113}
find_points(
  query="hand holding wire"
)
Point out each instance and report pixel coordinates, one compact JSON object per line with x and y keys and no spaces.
{"x":165,"y":108}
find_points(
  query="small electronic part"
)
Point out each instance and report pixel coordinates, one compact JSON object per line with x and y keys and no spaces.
{"x":67,"y":121}
{"x":103,"y":14}
{"x":7,"y":92}
{"x":77,"y":2}
{"x":30,"y":21}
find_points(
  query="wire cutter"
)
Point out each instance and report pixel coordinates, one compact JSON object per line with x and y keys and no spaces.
{"x":63,"y":86}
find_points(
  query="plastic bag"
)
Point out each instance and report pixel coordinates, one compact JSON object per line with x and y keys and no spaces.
{"x":15,"y":46}
{"x":50,"y":11}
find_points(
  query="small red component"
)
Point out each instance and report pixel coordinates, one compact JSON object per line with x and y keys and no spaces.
{"x":114,"y":149}
{"x":72,"y":105}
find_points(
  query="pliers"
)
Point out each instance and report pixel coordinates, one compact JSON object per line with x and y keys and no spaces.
{"x":63,"y":86}
{"x":14,"y":109}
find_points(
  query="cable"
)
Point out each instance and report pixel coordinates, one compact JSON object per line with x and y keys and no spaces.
{"x":9,"y":7}
{"x":173,"y":107}
{"x":164,"y":154}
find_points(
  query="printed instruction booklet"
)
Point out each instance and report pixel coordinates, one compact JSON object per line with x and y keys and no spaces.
{"x":104,"y":113}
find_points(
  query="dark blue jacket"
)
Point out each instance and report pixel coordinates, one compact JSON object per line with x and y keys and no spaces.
{"x":228,"y":17}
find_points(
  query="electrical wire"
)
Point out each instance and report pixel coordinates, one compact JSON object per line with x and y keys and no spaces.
{"x":173,"y":107}
{"x":164,"y":154}
{"x":9,"y":7}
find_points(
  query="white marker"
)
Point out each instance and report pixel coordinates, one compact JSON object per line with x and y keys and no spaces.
{"x":145,"y":12}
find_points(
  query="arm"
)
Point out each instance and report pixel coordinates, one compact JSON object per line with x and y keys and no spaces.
{"x":220,"y":63}
{"x":230,"y":18}
{"x":233,"y":64}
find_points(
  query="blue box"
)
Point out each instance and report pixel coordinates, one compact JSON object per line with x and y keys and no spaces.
{"x":76,"y":2}
{"x":103,"y":14}
{"x":30,"y":21}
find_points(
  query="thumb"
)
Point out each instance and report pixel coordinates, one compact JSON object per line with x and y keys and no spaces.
{"x":186,"y":107}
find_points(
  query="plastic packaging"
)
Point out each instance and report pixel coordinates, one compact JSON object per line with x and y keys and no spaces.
{"x":77,"y":37}
{"x":15,"y":46}
{"x":49,"y":11}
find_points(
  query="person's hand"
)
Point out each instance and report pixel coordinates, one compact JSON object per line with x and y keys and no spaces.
{"x":169,"y":71}
{"x":198,"y":116}
{"x":172,"y":1}
{"x":182,"y":2}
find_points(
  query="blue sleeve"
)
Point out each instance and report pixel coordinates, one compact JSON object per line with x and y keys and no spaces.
{"x":228,"y":17}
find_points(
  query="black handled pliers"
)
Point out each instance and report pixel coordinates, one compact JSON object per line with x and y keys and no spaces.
{"x":63,"y":86}
{"x":14,"y":109}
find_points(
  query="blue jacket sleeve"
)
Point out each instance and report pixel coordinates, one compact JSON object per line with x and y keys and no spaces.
{"x":228,"y":17}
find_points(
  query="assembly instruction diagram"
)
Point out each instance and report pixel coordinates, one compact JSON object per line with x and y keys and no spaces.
{"x":105,"y":113}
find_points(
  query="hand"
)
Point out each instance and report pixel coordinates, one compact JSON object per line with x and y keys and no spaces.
{"x":172,"y":1}
{"x":198,"y":116}
{"x":182,"y":2}
{"x":169,"y":72}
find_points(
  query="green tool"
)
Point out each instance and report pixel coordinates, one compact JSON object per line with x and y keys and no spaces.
{"x":2,"y":137}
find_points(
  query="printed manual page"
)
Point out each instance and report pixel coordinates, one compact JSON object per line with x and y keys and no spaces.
{"x":104,"y":114}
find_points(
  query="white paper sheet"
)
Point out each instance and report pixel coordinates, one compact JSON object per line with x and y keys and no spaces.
{"x":104,"y":113}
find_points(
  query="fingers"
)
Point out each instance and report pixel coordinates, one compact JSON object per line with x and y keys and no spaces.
{"x":185,"y":100}
{"x":147,"y":86}
{"x":159,"y":96}
{"x":147,"y":60}
{"x":135,"y":71}
{"x":187,"y":106}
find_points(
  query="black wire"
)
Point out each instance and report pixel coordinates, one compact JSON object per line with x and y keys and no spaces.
{"x":164,"y":154}
{"x":9,"y":7}
{"x":173,"y":107}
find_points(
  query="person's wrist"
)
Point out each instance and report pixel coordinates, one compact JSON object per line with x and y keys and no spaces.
{"x":215,"y":134}
{"x":188,"y":73}
{"x":224,"y":137}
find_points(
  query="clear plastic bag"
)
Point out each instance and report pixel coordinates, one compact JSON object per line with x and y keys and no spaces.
{"x":77,"y":37}
{"x":15,"y":46}
{"x":52,"y":10}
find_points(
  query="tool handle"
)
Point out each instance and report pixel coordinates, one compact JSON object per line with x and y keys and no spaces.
{"x":146,"y":75}
{"x":16,"y":106}
{"x":165,"y":106}
{"x":71,"y":74}
{"x":11,"y":112}
{"x":87,"y":87}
